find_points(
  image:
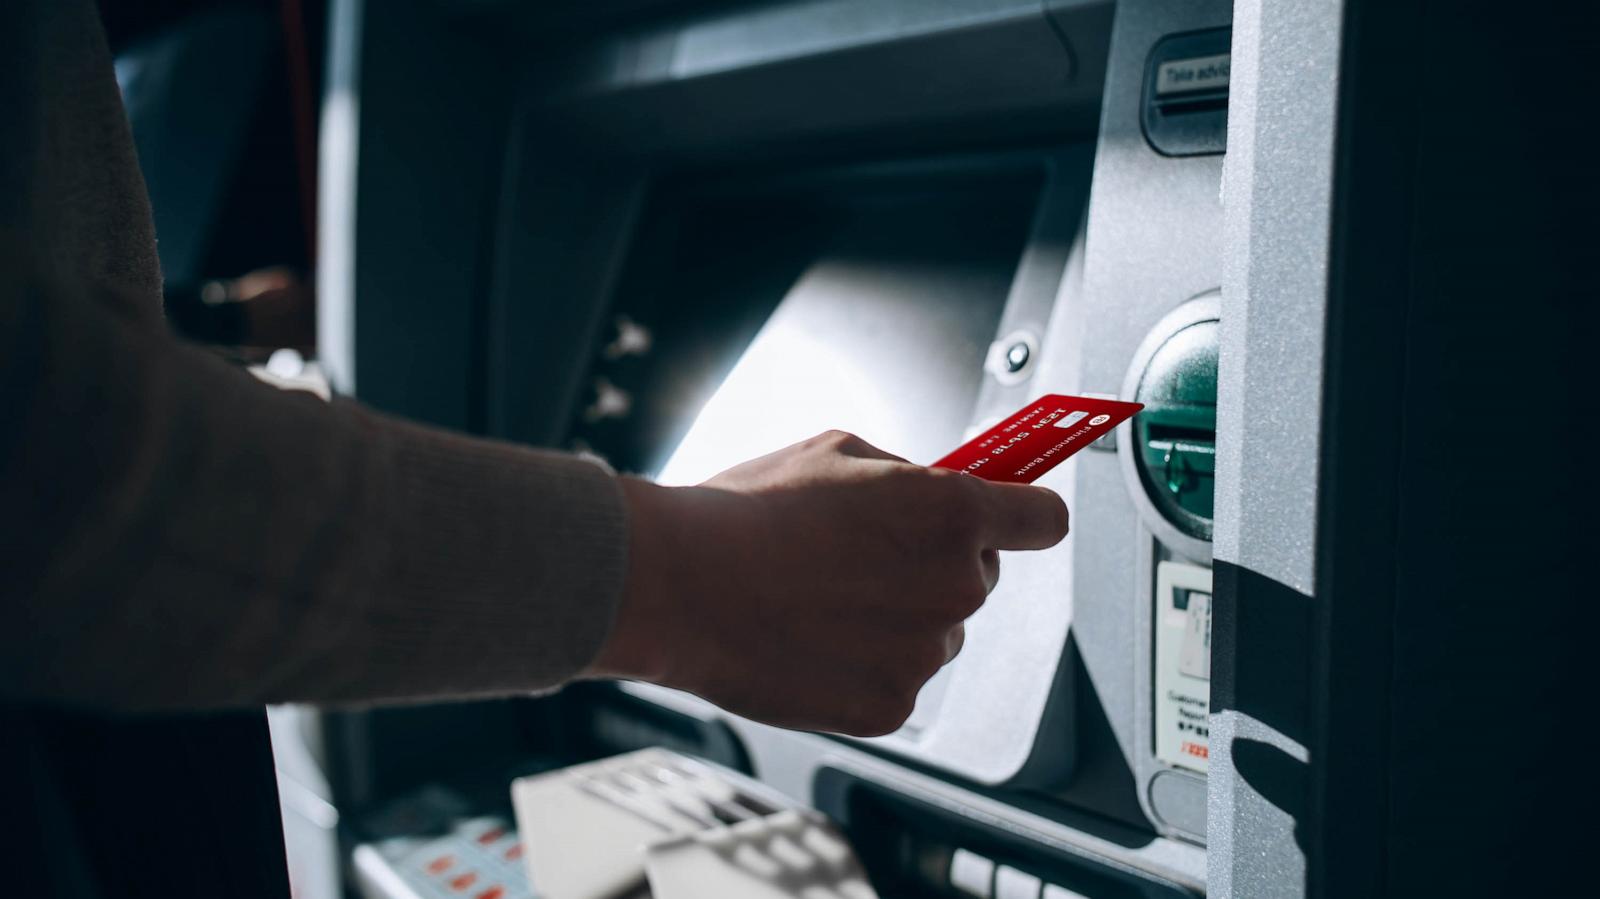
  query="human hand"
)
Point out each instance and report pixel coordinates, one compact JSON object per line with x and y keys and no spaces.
{"x":818,"y":587}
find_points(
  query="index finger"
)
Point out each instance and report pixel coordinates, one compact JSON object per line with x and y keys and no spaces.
{"x":1023,"y":517}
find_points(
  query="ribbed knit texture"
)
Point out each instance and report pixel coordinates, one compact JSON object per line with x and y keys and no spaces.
{"x":488,"y":545}
{"x":176,"y":535}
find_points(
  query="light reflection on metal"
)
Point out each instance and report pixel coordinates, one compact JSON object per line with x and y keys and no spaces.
{"x":864,"y":349}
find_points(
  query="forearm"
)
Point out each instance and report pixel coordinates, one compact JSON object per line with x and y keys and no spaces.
{"x":177,"y":535}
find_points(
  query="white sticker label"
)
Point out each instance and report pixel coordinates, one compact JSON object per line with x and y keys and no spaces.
{"x":1195,"y":660}
{"x":1203,"y":73}
{"x":1183,"y":665}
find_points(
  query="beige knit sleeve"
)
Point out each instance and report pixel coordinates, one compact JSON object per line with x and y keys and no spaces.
{"x":176,"y":534}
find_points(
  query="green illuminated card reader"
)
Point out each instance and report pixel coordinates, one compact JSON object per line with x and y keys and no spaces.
{"x":1175,"y":437}
{"x":1169,"y":465}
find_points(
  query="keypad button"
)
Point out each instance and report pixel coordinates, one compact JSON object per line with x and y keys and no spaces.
{"x":1009,"y":883}
{"x":972,"y":873}
{"x":757,"y":862}
{"x":856,"y":888}
{"x":785,"y":850}
{"x":829,"y":849}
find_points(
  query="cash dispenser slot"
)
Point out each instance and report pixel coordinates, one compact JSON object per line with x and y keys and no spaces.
{"x":915,"y":848}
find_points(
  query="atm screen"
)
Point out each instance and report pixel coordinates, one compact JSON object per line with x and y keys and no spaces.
{"x":862,"y":302}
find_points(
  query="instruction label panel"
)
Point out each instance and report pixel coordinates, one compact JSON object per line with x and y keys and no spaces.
{"x":1183,"y":665}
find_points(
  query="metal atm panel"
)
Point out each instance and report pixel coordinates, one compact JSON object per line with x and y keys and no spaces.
{"x":1154,"y":248}
{"x":1037,"y":731}
{"x":876,"y":346}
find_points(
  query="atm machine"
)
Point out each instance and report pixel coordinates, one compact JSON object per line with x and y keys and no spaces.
{"x":637,"y":227}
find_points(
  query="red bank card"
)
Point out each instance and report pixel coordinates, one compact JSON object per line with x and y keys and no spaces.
{"x":1038,"y":437}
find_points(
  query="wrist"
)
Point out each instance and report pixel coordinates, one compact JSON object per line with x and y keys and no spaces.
{"x":672,"y":548}
{"x":629,"y":652}
{"x":683,"y":559}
